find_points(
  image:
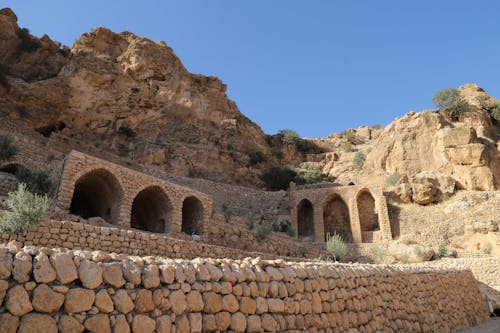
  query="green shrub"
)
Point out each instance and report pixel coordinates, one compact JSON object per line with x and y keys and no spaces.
{"x":309,"y":177}
{"x":25,"y":210}
{"x":304,"y":251}
{"x":377,"y":253}
{"x":358,"y":160}
{"x":264,"y":230}
{"x":285,"y":227}
{"x":336,"y":246}
{"x":377,"y":126}
{"x":404,"y":258}
{"x":7,"y":148}
{"x":127,"y":131}
{"x":278,"y":178}
{"x":487,"y":248}
{"x":288,"y":136}
{"x":451,"y":102}
{"x":28,"y":43}
{"x":350,"y":136}
{"x":257,"y":157}
{"x":494,"y":111}
{"x":442,"y":251}
{"x":37,"y":181}
{"x":250,"y":221}
{"x":4,"y":71}
{"x":227,"y":212}
{"x":393,"y":179}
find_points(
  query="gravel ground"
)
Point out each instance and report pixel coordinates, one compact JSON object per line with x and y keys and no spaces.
{"x":491,"y":326}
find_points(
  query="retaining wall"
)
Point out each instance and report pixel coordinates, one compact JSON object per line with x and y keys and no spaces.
{"x":46,"y":290}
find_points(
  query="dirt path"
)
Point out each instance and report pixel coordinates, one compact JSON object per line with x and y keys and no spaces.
{"x":491,"y":326}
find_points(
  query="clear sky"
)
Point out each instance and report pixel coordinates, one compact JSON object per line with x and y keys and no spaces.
{"x":314,"y":66}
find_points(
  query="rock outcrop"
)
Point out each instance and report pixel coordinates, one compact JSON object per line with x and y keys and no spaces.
{"x":130,"y":96}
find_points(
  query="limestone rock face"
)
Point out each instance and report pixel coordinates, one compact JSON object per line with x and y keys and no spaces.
{"x":427,"y":187}
{"x":181,"y":120}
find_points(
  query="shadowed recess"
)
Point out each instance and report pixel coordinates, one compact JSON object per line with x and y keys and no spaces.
{"x":151,"y":210}
{"x":305,"y":220}
{"x":97,"y":193}
{"x":336,"y":218}
{"x":192,"y":216}
{"x":368,"y":217}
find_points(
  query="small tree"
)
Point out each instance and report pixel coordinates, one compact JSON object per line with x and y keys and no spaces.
{"x":288,"y":136}
{"x":256,"y":157}
{"x":127,"y":131}
{"x":278,"y":178}
{"x":336,"y":246}
{"x":451,"y":102}
{"x":7,"y":149}
{"x":359,"y":160}
{"x":26,"y":210}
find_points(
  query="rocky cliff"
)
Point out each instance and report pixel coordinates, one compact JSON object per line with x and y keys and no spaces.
{"x":130,"y":96}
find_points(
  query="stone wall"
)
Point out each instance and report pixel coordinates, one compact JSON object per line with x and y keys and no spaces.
{"x":377,"y":229}
{"x":485,"y":270}
{"x":111,"y":191}
{"x":48,"y":290}
{"x":74,"y":235}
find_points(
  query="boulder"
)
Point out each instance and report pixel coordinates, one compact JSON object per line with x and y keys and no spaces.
{"x":36,"y":322}
{"x":46,"y":300}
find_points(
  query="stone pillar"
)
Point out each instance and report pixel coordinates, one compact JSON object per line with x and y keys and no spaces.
{"x":319,"y":224}
{"x":355,"y":224}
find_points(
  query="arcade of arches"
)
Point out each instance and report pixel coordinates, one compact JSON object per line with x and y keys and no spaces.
{"x":91,"y":187}
{"x":357,"y":214}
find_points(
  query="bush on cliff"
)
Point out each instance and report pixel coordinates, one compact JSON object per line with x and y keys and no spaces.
{"x":4,"y":71}
{"x":37,"y":181}
{"x":278,"y":178}
{"x":7,"y":149}
{"x":451,"y":102}
{"x":25,"y":210}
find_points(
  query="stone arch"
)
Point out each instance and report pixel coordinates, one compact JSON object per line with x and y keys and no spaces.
{"x":336,"y":218}
{"x":305,"y":220}
{"x":97,"y":193}
{"x":10,"y":168}
{"x":192,"y":216}
{"x":151,"y":210}
{"x":368,"y":215}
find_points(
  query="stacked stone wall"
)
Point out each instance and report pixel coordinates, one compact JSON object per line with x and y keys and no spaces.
{"x":73,"y":291}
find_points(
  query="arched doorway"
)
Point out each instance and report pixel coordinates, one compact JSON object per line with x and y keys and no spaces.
{"x":336,"y":218}
{"x":368,"y":217}
{"x":305,"y":220}
{"x":97,"y":193}
{"x":192,"y":216}
{"x":151,"y":210}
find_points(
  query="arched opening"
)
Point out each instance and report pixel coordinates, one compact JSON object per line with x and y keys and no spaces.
{"x":368,"y":217}
{"x":10,"y":168}
{"x":305,"y":220}
{"x":336,"y":218}
{"x":97,"y":193}
{"x":151,"y":210}
{"x":192,"y":216}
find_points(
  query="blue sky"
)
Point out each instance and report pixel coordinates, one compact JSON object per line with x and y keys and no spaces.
{"x":318,"y":67}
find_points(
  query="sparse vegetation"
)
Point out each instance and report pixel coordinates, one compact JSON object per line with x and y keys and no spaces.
{"x":264,"y":230}
{"x":37,"y":181}
{"x":404,"y":258}
{"x":442,"y":251}
{"x":25,"y":210}
{"x":304,"y":251}
{"x":291,"y":138}
{"x":227,"y":212}
{"x":392,"y":179}
{"x":127,"y":131}
{"x":250,"y":221}
{"x":377,"y":253}
{"x":28,"y":43}
{"x":493,"y":108}
{"x":487,"y":248}
{"x":336,"y":246}
{"x":451,"y":102}
{"x":377,"y":126}
{"x":7,"y":148}
{"x":4,"y":71}
{"x":278,"y":178}
{"x":347,"y":147}
{"x":256,"y":157}
{"x":350,"y":136}
{"x":359,"y":160}
{"x":309,"y":177}
{"x":283,"y":226}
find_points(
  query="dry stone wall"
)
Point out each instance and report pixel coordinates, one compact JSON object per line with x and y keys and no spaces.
{"x":72,"y":291}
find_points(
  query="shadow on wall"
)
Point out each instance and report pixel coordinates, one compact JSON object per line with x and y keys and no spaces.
{"x":192,"y":216}
{"x":97,"y":193}
{"x":151,"y":210}
{"x":368,"y":216}
{"x":305,"y":221}
{"x":336,"y":218}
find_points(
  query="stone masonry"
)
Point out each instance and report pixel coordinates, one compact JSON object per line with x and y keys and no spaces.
{"x":49,"y":290}
{"x":126,"y":185}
